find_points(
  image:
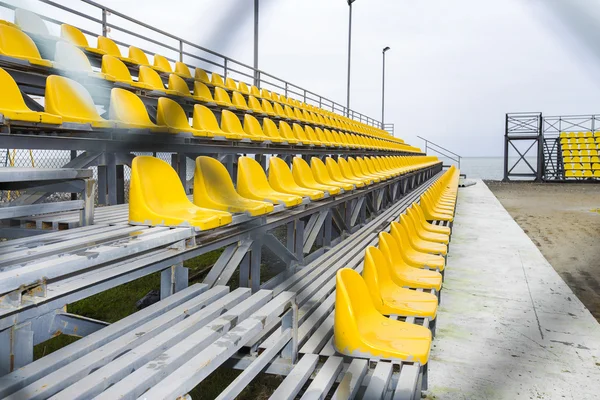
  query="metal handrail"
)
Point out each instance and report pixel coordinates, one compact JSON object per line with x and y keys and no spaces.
{"x":441,"y":150}
{"x":225,"y":63}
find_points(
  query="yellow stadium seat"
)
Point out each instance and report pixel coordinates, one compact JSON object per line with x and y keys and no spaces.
{"x":201,"y":75}
{"x":275,"y":97}
{"x":157,"y":197}
{"x":230,"y":84}
{"x":359,"y":330}
{"x":238,"y":101}
{"x":267,"y":107}
{"x":170,"y":114}
{"x":129,"y":112}
{"x":277,"y":109}
{"x":403,"y":273}
{"x":150,"y":77}
{"x":114,"y":70}
{"x":162,"y":64}
{"x":243,"y":88}
{"x":322,"y":138}
{"x":109,"y":47}
{"x":358,"y":171}
{"x":222,"y":98}
{"x":282,"y":180}
{"x":217,"y":80}
{"x":334,"y":171}
{"x":230,"y":123}
{"x":369,"y":169}
{"x":76,"y":37}
{"x":30,"y":22}
{"x":348,"y":173}
{"x":265,"y":94}
{"x":182,"y":70}
{"x":13,"y":107}
{"x":138,"y":56}
{"x":202,"y":93}
{"x":289,"y":113}
{"x":252,"y":183}
{"x":423,"y":233}
{"x":304,"y":177}
{"x":321,"y":175}
{"x":71,"y":101}
{"x":214,"y":189}
{"x":286,"y":132}
{"x":416,"y":208}
{"x":204,"y":120}
{"x":390,"y":298}
{"x":412,"y":256}
{"x":179,"y":85}
{"x":312,"y":136}
{"x":16,"y":44}
{"x":270,"y":130}
{"x":254,"y":106}
{"x":254,"y":130}
{"x":301,"y":135}
{"x":254,"y":91}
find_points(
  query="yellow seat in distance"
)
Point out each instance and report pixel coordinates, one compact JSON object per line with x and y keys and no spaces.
{"x":138,"y":56}
{"x":334,"y":171}
{"x":170,"y":114}
{"x":254,"y":130}
{"x":16,"y":44}
{"x":129,"y":111}
{"x":109,"y":47}
{"x":401,"y":272}
{"x":214,"y":189}
{"x":304,"y":177}
{"x":182,"y":70}
{"x":390,"y":298}
{"x":179,"y":85}
{"x":161,"y":64}
{"x":412,"y":256}
{"x":71,"y":101}
{"x":204,"y":120}
{"x":150,"y":77}
{"x":270,"y":130}
{"x":359,"y":330}
{"x":157,"y":198}
{"x":358,"y":171}
{"x":430,"y":227}
{"x":282,"y":180}
{"x":116,"y":71}
{"x":252,"y":183}
{"x":423,"y":233}
{"x":323,"y":177}
{"x":230,"y":123}
{"x":74,"y":36}
{"x":12,"y":105}
{"x":348,"y":173}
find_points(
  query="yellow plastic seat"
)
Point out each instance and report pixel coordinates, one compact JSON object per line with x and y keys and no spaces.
{"x":286,"y":132}
{"x":312,"y":136}
{"x":423,"y":233}
{"x":71,"y":101}
{"x":214,"y":189}
{"x":357,"y":171}
{"x":239,"y":102}
{"x":74,"y":36}
{"x":265,"y":94}
{"x":321,"y":175}
{"x":254,"y":91}
{"x":252,"y":183}
{"x":230,"y":84}
{"x":430,"y":227}
{"x":217,"y":80}
{"x":267,"y":108}
{"x":230,"y":123}
{"x":359,"y":330}
{"x":179,"y":85}
{"x":129,"y":111}
{"x":157,"y":197}
{"x":254,"y":130}
{"x":270,"y":130}
{"x":277,"y":109}
{"x":138,"y":56}
{"x":304,"y":177}
{"x":150,"y":77}
{"x":222,"y":98}
{"x":201,"y":75}
{"x":202,"y":93}
{"x":364,"y":167}
{"x":254,"y":105}
{"x":300,"y":134}
{"x":412,"y":256}
{"x":377,"y":168}
{"x":162,"y":64}
{"x":109,"y":47}
{"x":335,"y":173}
{"x":182,"y":70}
{"x":16,"y":44}
{"x":243,"y":88}
{"x":348,"y":173}
{"x":282,"y":180}
{"x":204,"y":120}
{"x":170,"y":114}
{"x":13,"y":107}
{"x":402,"y":273}
{"x":390,"y":298}
{"x":114,"y":70}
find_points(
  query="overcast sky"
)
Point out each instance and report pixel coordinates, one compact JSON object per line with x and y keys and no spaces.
{"x":454,"y":68}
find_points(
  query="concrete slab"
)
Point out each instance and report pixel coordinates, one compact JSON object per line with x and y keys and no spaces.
{"x":509,"y":327}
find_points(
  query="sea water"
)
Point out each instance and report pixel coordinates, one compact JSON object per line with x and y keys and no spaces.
{"x":491,"y":168}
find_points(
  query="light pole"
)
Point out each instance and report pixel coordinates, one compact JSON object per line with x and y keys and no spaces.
{"x":383,"y":88}
{"x":349,"y":51}
{"x":256,"y":77}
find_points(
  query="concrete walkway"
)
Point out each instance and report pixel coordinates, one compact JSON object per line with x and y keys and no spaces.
{"x":509,"y":327}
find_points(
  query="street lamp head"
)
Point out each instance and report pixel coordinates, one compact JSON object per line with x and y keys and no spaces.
{"x":386,"y":49}
{"x":350,"y":2}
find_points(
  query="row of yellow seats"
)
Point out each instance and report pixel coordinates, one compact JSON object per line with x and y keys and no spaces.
{"x":590,"y":140}
{"x":408,"y":258}
{"x":583,"y":166}
{"x":582,"y":173}
{"x":18,"y":44}
{"x":581,"y":146}
{"x":582,"y":159}
{"x":579,"y":134}
{"x":579,"y":153}
{"x":157,"y":197}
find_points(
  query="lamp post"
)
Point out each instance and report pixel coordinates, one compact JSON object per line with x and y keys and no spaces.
{"x":383,"y":88}
{"x":256,"y":76}
{"x":349,"y":51}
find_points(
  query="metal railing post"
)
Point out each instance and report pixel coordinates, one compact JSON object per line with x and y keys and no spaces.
{"x":305,"y":95}
{"x":224,"y":68}
{"x":286,"y":89}
{"x":181,"y":51}
{"x":104,"y":27}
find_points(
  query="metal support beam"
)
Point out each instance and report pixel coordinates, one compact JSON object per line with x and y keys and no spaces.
{"x":75,"y":325}
{"x":173,"y":279}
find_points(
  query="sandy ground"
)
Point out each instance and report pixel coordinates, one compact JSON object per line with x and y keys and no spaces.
{"x":560,"y":219}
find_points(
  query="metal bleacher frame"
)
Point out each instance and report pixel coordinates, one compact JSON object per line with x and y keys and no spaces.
{"x":41,"y":274}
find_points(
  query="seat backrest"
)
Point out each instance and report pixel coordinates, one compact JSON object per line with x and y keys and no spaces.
{"x":201,"y":75}
{"x":179,"y":85}
{"x":238,"y":100}
{"x":11,"y":98}
{"x":280,"y":174}
{"x":201,"y":90}
{"x":204,"y":119}
{"x":127,"y":107}
{"x":243,"y":88}
{"x":162,"y":63}
{"x":299,"y":133}
{"x":231,"y":123}
{"x":376,"y":273}
{"x":310,"y":133}
{"x":222,"y":96}
{"x":321,"y":136}
{"x":278,"y":109}
{"x":156,"y":183}
{"x":116,"y":68}
{"x":334,"y":169}
{"x":254,"y":104}
{"x":150,"y":77}
{"x":265,"y":94}
{"x":319,"y":170}
{"x":108,"y":46}
{"x":270,"y":129}
{"x":15,"y":43}
{"x":254,"y":91}
{"x":353,"y":301}
{"x":31,"y":22}
{"x":251,"y":177}
{"x":286,"y":131}
{"x":171,"y":114}
{"x":138,"y":56}
{"x":68,"y":98}
{"x":252,"y":126}
{"x":182,"y":69}
{"x":230,"y":84}
{"x":212,"y":180}
{"x":73,"y":35}
{"x":267,"y":107}
{"x":390,"y":247}
{"x":216,"y":79}
{"x":68,"y":56}
{"x":302,"y":172}
{"x":399,"y":233}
